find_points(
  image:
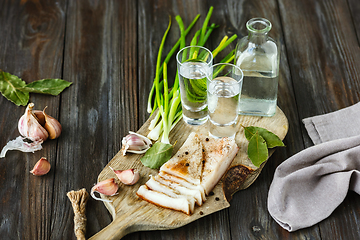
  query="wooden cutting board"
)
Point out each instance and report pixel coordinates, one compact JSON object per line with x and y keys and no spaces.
{"x":131,"y":214}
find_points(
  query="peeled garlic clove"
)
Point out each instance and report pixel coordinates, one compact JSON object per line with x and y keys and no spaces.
{"x":135,"y":143}
{"x":29,"y":126}
{"x":127,"y":177}
{"x":52,"y":126}
{"x":107,"y":187}
{"x":42,"y":167}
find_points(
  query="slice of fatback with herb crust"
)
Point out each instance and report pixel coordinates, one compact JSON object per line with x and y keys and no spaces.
{"x":218,"y":155}
{"x":187,"y":163}
{"x":184,"y":183}
{"x":163,"y":200}
{"x":194,"y":193}
{"x":154,"y":185}
{"x":191,"y":174}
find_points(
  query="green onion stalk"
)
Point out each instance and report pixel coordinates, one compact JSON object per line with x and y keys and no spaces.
{"x":151,"y":109}
{"x":167,"y":100}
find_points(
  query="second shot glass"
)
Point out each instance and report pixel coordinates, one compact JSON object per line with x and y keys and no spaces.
{"x":224,"y":85}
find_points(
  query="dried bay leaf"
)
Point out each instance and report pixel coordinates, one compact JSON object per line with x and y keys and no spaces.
{"x":47,"y":86}
{"x":272,"y":140}
{"x":10,"y":88}
{"x":157,"y":155}
{"x":17,"y":91}
{"x":257,"y":150}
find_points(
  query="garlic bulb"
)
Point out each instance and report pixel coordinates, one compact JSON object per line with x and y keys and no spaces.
{"x":135,"y":143}
{"x":29,"y":126}
{"x":52,"y":126}
{"x":107,"y":187}
{"x":127,"y":177}
{"x":35,"y":125}
{"x":42,"y":167}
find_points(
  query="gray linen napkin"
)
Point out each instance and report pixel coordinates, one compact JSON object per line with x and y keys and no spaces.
{"x":310,"y":185}
{"x":339,"y":124}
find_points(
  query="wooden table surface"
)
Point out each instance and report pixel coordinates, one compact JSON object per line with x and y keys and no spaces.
{"x":108,"y":50}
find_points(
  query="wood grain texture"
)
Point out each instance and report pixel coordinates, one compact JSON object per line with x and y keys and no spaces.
{"x":324,"y":60}
{"x":354,"y":8}
{"x":31,"y":46}
{"x":100,"y":60}
{"x":323,"y":65}
{"x":108,"y":50}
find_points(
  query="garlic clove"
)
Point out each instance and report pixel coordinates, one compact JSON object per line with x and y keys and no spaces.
{"x":42,"y":167}
{"x":107,"y":187}
{"x":135,"y":143}
{"x":29,"y":126}
{"x":127,"y":177}
{"x":39,"y":115}
{"x":52,"y":126}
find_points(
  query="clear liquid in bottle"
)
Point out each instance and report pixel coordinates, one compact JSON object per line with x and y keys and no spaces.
{"x":258,"y":57}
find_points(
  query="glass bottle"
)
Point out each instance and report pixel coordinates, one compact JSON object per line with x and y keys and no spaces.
{"x":258,"y":57}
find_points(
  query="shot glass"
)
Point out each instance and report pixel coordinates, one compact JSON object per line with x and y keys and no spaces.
{"x":224,"y":85}
{"x":194,"y":64}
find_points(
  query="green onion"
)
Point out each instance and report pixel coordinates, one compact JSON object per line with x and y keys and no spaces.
{"x":167,"y":100}
{"x":223,"y":44}
{"x":170,"y":54}
{"x":205,"y":24}
{"x":165,"y":110}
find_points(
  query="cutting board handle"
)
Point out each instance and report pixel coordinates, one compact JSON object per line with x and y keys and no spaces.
{"x":117,"y":229}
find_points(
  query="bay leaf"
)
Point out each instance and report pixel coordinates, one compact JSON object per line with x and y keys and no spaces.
{"x":47,"y":86}
{"x":257,"y":150}
{"x":272,"y":140}
{"x":157,"y":155}
{"x":10,"y":88}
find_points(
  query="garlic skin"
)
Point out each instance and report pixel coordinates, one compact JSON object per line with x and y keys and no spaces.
{"x":127,"y":177}
{"x":135,"y":143}
{"x":29,"y":126}
{"x":21,"y":145}
{"x":52,"y":126}
{"x":107,"y":187}
{"x":41,"y":168}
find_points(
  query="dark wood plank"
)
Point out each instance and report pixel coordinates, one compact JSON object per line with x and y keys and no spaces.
{"x":99,"y":108}
{"x":31,"y":47}
{"x":324,"y":60}
{"x":354,"y":7}
{"x":323,"y":53}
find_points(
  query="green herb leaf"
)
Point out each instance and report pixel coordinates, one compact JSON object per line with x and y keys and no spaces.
{"x":157,"y":155}
{"x":272,"y":140}
{"x":47,"y":86}
{"x":257,"y":150}
{"x":10,"y":86}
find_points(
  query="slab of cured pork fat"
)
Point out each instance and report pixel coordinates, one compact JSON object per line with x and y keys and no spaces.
{"x":218,"y":155}
{"x":190,"y":174}
{"x":164,"y":200}
{"x":187,"y":162}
